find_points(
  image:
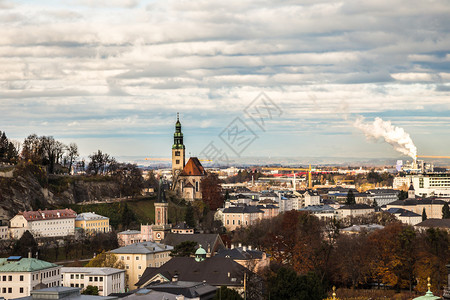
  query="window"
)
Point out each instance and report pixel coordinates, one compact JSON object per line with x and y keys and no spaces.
{"x":77,"y":276}
{"x":82,"y":276}
{"x":177,"y":153}
{"x":21,"y":290}
{"x":4,"y":290}
{"x":21,"y":277}
{"x":137,"y":257}
{"x":128,"y":258}
{"x":122,"y":258}
{"x":177,"y":161}
{"x":9,"y":278}
{"x":127,"y":267}
{"x":71,"y":276}
{"x":196,"y":186}
{"x":101,"y":279}
{"x":9,"y":290}
{"x":95,"y":278}
{"x":139,"y":267}
{"x":90,"y":278}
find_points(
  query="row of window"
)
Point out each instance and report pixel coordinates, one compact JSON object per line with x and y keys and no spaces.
{"x":10,"y":290}
{"x":10,"y":278}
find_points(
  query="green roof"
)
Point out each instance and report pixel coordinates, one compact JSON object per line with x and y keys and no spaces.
{"x":24,"y":265}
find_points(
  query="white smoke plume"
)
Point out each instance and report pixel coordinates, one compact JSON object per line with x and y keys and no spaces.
{"x":396,"y":136}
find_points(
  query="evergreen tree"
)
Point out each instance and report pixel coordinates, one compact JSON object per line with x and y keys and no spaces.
{"x":184,"y":249}
{"x":225,"y":293}
{"x":445,"y":211}
{"x":189,"y":216}
{"x":90,"y":290}
{"x":424,"y":215}
{"x":402,"y":195}
{"x":25,"y":245}
{"x":350,"y":198}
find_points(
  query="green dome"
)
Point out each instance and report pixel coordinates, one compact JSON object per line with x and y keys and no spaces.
{"x":200,"y":254}
{"x":200,"y":251}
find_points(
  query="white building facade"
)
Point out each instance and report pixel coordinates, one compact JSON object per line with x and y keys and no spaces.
{"x":107,"y":280}
{"x":19,"y":276}
{"x":44,"y":223}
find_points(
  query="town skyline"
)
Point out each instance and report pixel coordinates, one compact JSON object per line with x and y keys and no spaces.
{"x":110,"y":75}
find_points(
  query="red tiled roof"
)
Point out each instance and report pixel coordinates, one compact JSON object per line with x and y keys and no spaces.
{"x":193,"y":168}
{"x":48,"y":214}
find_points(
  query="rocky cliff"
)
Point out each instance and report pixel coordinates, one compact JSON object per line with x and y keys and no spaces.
{"x":29,"y":188}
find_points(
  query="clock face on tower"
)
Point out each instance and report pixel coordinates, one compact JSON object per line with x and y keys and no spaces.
{"x":158,"y":235}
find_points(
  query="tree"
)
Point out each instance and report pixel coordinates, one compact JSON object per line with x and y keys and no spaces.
{"x":130,"y":179}
{"x":225,"y":293}
{"x":350,"y":198}
{"x":212,"y":191}
{"x":402,"y":195}
{"x":189,"y":216}
{"x":184,"y":249}
{"x":106,"y":259}
{"x":90,"y":290}
{"x":286,"y":284}
{"x":424,"y":214}
{"x":25,"y":245}
{"x":445,"y":211}
{"x":99,"y":163}
{"x":72,"y":155}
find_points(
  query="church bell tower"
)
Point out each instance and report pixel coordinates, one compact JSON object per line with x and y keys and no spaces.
{"x":178,"y":149}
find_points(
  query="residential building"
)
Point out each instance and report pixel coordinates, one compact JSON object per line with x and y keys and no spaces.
{"x":139,"y":256}
{"x":321,"y":211}
{"x":4,"y":232}
{"x":405,"y":216}
{"x":175,"y":290}
{"x":19,"y":276}
{"x":215,"y":271}
{"x":308,"y":198}
{"x":128,"y":237}
{"x":252,"y":259}
{"x":354,"y":210}
{"x":107,"y":280}
{"x":432,"y":206}
{"x":236,"y":216}
{"x":44,"y":223}
{"x":182,"y":228}
{"x":379,"y":196}
{"x":92,"y":223}
{"x":62,"y":292}
{"x":442,"y":224}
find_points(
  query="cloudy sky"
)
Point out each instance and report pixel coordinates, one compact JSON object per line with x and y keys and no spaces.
{"x":112,"y":75}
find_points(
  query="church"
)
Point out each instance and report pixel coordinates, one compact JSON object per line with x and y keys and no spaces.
{"x":186,"y":177}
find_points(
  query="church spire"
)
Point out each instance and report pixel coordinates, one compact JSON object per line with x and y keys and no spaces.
{"x":178,"y":135}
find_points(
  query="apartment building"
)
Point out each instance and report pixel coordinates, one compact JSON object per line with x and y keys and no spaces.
{"x":107,"y":280}
{"x":44,"y":223}
{"x":19,"y":276}
{"x":138,"y":256}
{"x":92,"y":223}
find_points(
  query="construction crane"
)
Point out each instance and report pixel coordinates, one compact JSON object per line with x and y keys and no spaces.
{"x":309,"y":170}
{"x":432,"y":156}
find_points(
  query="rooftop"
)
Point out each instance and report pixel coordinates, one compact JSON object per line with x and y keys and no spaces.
{"x":193,"y":168}
{"x":142,"y":248}
{"x":48,"y":214}
{"x":89,"y":216}
{"x":91,"y":271}
{"x":19,"y":264}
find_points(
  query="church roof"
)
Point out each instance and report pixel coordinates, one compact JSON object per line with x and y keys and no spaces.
{"x":193,"y":168}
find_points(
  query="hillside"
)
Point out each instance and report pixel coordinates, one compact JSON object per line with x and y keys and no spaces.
{"x":28,"y":187}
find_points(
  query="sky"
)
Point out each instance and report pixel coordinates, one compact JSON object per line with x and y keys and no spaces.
{"x":112,"y":75}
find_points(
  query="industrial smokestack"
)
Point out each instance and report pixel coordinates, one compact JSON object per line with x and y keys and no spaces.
{"x":396,"y":136}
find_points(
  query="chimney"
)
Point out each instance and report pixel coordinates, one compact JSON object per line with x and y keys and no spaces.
{"x":229,"y":274}
{"x":175,"y":278}
{"x":249,"y":247}
{"x":232,"y":246}
{"x":244,"y":248}
{"x":240,"y":245}
{"x":29,"y":254}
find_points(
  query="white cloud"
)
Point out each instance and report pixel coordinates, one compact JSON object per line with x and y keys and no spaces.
{"x":85,"y":67}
